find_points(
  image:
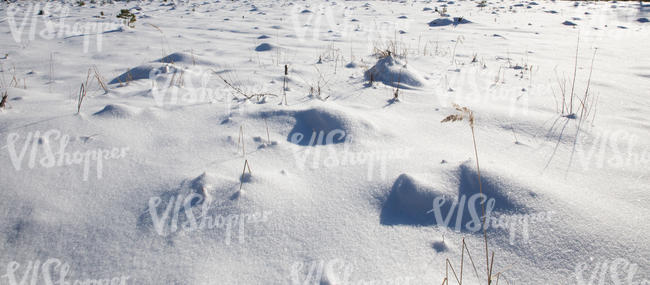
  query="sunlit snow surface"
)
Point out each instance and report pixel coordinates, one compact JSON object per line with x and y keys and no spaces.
{"x":344,"y":181}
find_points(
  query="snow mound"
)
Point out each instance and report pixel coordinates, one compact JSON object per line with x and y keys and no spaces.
{"x":264,"y":47}
{"x":181,"y":57}
{"x":117,"y":111}
{"x":393,"y":72}
{"x":508,"y":197}
{"x":139,"y":72}
{"x":409,"y":201}
{"x":168,"y":63}
{"x":206,"y":192}
{"x":325,"y":126}
{"x":321,"y":125}
{"x":441,"y":22}
{"x":414,"y":202}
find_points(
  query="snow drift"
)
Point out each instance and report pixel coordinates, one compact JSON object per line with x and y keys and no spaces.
{"x":391,"y":71}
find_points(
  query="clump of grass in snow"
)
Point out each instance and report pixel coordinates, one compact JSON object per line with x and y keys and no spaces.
{"x":586,"y":104}
{"x":93,"y":73}
{"x":127,"y":17}
{"x":390,"y":48}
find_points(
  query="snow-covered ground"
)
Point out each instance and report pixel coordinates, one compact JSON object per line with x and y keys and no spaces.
{"x":349,"y":175}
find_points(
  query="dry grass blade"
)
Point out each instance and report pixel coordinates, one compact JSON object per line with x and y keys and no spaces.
{"x":285,"y":84}
{"x":464,"y":112}
{"x":82,"y":95}
{"x":240,"y":91}
{"x":3,"y":102}
{"x":241,"y":180}
{"x":100,"y":79}
{"x":452,"y":271}
{"x":575,"y":70}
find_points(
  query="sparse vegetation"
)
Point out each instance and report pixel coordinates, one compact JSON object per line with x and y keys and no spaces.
{"x":568,"y":98}
{"x":127,"y":17}
{"x":316,"y":88}
{"x":232,"y":83}
{"x":390,"y":48}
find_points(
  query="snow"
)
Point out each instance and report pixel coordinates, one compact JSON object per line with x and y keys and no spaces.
{"x":204,"y":163}
{"x":391,"y":71}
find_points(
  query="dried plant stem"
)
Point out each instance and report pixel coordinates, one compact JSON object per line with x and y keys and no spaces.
{"x":480,"y":187}
{"x":586,"y":108}
{"x":285,"y":84}
{"x":241,"y":180}
{"x":100,"y":80}
{"x":464,"y":112}
{"x":3,"y":101}
{"x":82,"y":95}
{"x":239,"y":91}
{"x":575,"y":70}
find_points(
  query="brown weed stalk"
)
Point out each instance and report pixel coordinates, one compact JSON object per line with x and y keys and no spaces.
{"x":465,"y":113}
